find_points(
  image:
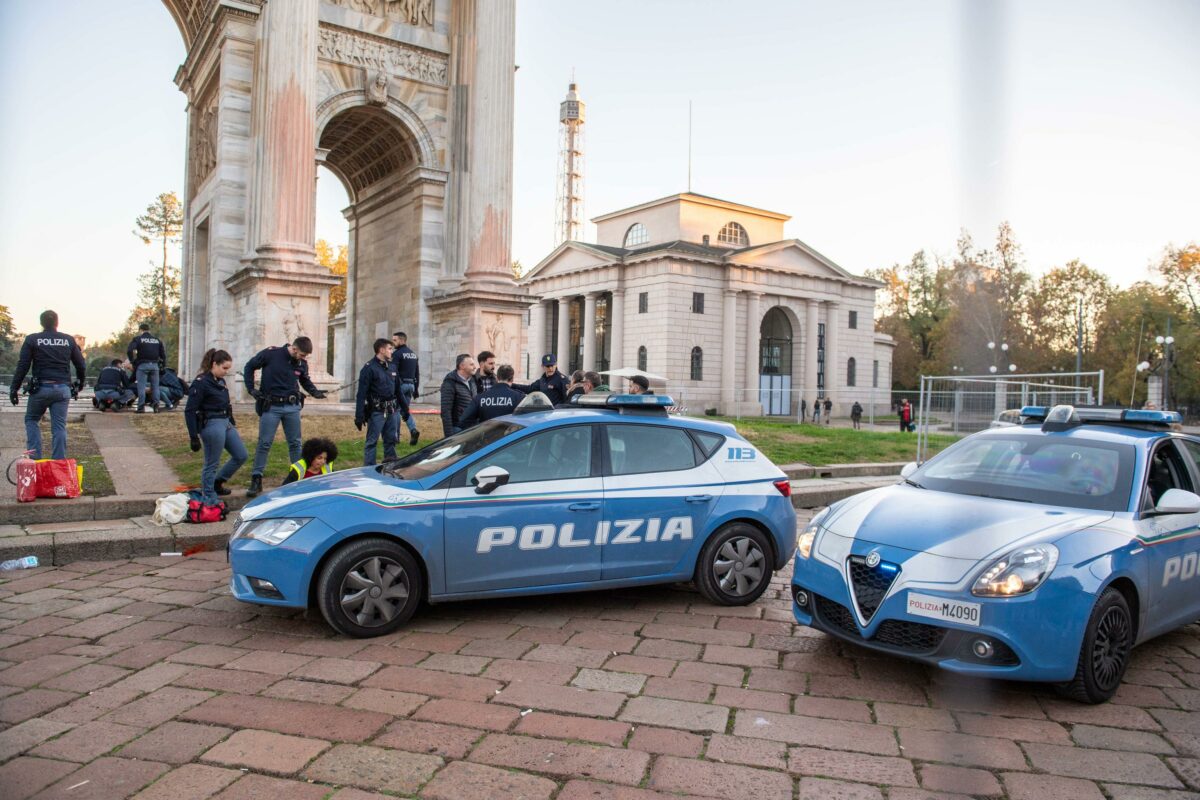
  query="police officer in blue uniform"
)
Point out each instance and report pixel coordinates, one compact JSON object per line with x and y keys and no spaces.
{"x":112,"y":388}
{"x":553,"y":383}
{"x":497,"y":401}
{"x":380,"y":403}
{"x":284,"y":371}
{"x":408,"y":368}
{"x":209,"y":417}
{"x":148,"y":356}
{"x":50,"y":354}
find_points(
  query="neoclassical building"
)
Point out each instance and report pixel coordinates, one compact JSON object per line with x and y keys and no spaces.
{"x":710,"y":295}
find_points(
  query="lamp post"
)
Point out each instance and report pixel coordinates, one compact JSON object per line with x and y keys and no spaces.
{"x":1165,"y":342}
{"x":1003,"y":349}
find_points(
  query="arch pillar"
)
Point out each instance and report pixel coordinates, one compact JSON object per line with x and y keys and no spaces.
{"x":753,"y":323}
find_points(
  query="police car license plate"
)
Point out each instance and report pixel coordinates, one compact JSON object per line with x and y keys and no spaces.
{"x":924,"y":605}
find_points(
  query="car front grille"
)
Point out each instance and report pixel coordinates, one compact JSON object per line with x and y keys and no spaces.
{"x":870,"y":584}
{"x":912,"y":637}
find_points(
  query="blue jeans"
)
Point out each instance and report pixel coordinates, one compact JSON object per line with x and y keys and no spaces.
{"x":389,"y":425}
{"x":146,"y":370}
{"x":268,"y":423}
{"x":218,"y":435}
{"x":121,"y":396}
{"x":408,"y":390}
{"x":55,"y":398}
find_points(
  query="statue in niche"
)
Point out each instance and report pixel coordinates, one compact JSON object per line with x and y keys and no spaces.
{"x":377,"y":91}
{"x":497,"y":336}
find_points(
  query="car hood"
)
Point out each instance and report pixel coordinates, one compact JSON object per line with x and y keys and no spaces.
{"x":952,"y":525}
{"x":365,"y":482}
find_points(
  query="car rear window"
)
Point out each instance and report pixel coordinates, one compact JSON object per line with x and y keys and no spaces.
{"x":449,"y":451}
{"x":634,"y":449}
{"x":1051,"y":471}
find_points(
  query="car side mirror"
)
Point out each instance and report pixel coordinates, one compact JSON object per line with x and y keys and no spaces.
{"x":488,"y":479}
{"x":1178,"y":501}
{"x":908,"y":469}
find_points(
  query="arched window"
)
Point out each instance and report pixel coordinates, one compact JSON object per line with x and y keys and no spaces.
{"x":697,"y":364}
{"x":734,"y":234}
{"x":851,"y":372}
{"x":636,"y":235}
{"x":642,"y":358}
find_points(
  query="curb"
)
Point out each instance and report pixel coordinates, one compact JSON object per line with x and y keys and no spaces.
{"x":798,"y":472}
{"x":831,"y":490}
{"x":85,"y":508}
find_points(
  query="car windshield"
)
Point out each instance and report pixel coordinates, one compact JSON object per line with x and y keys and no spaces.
{"x":449,"y":451}
{"x":1050,"y":470}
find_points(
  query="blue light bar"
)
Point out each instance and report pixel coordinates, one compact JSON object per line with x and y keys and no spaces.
{"x":1110,"y":415}
{"x":1160,"y":417}
{"x":625,"y":400}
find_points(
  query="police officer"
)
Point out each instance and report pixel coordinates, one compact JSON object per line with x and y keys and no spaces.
{"x":497,"y":401}
{"x":408,"y":368}
{"x":50,"y":354}
{"x":112,"y":388}
{"x":284,"y":371}
{"x":173,"y":388}
{"x":209,"y":417}
{"x":380,"y":403}
{"x":148,"y":356}
{"x":553,"y":383}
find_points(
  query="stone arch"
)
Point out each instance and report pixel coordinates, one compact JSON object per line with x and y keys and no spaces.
{"x":419,"y":140}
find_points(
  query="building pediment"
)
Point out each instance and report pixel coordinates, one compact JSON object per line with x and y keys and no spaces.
{"x":794,"y":255}
{"x":570,"y":257}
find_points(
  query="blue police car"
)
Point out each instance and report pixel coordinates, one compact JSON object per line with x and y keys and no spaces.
{"x":1040,"y":552}
{"x":613,"y":493}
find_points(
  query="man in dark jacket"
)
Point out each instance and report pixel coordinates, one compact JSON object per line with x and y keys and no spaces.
{"x":485,"y":374}
{"x":497,"y":401}
{"x":553,"y":383}
{"x":458,"y":390}
{"x":408,"y":368}
{"x":174,"y":388}
{"x":148,"y":356}
{"x":379,"y":404}
{"x":112,"y":388}
{"x":50,"y":355}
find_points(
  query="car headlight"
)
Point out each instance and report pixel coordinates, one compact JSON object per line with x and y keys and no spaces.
{"x":1019,"y":572}
{"x":270,"y":531}
{"x":808,"y":534}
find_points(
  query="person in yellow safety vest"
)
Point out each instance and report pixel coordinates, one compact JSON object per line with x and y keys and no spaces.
{"x":316,"y":458}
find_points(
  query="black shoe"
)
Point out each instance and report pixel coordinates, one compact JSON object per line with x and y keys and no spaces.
{"x":412,"y":437}
{"x":255,"y":486}
{"x":157,"y":409}
{"x":95,"y":403}
{"x":219,"y":488}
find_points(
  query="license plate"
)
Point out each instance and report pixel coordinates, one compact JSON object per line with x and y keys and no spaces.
{"x":924,"y":605}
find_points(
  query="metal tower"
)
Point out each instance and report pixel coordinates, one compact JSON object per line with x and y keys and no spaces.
{"x":568,"y":215}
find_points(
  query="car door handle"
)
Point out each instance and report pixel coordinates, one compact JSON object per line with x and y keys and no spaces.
{"x":584,"y":506}
{"x":698,"y":498}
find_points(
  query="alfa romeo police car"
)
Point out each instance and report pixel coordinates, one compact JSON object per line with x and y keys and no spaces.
{"x":614,"y":493}
{"x":1041,"y":552}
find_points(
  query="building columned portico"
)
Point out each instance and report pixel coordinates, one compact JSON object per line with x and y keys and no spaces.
{"x":715,"y":300}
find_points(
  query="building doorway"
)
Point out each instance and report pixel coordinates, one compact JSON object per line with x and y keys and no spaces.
{"x":775,"y":363}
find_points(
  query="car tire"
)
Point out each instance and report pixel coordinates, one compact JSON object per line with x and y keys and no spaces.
{"x":369,"y":587}
{"x":734,"y":567}
{"x":1107,"y":643}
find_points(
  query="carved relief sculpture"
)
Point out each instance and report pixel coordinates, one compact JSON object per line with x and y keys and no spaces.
{"x":203,"y":154}
{"x":418,"y":13}
{"x":393,"y":59}
{"x":377,"y":90}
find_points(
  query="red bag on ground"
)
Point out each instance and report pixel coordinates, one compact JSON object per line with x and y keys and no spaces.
{"x":26,"y":480}
{"x":46,"y":478}
{"x":199,"y":512}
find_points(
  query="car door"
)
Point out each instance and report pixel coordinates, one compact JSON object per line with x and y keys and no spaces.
{"x":659,"y":490}
{"x":536,"y":530}
{"x":1170,"y":540}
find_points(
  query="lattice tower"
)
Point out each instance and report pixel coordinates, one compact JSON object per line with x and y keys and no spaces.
{"x":568,"y":215}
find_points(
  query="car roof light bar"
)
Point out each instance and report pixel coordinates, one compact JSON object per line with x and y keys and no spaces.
{"x":597,"y":399}
{"x":1065,"y":416}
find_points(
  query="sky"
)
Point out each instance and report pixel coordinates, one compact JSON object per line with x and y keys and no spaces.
{"x":881,"y":127}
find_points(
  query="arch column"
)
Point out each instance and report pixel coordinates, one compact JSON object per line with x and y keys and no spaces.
{"x":832,"y":359}
{"x":811,"y":308}
{"x":564,"y":333}
{"x":753,"y":322}
{"x":537,"y":338}
{"x":616,"y":313}
{"x":588,"y":334}
{"x":728,"y":356}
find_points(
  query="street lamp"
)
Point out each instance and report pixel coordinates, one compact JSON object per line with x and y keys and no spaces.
{"x":1165,"y":342}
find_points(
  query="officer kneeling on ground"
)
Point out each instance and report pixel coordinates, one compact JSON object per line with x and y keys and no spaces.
{"x":112,"y":388}
{"x":50,"y":354}
{"x":380,"y":403}
{"x":284,"y":371}
{"x":497,"y":401}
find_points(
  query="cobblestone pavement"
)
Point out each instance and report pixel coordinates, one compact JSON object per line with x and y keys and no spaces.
{"x":144,"y":678}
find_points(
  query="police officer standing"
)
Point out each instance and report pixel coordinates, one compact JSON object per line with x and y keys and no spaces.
{"x":284,"y":371}
{"x":497,"y":401}
{"x":408,"y":368}
{"x":380,"y":403}
{"x":148,"y":356}
{"x":553,"y":383}
{"x":50,"y":354}
{"x":210,"y":424}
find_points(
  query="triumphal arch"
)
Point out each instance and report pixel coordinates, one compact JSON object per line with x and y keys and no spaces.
{"x":410,"y":104}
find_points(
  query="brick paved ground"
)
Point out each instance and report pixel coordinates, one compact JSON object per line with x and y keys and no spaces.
{"x":144,"y":678}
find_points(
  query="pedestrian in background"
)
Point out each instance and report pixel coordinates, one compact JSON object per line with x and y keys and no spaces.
{"x":828,"y":411}
{"x":856,"y":415}
{"x":278,"y":400}
{"x":48,"y":356}
{"x":575,"y":387}
{"x":458,"y":390}
{"x":210,"y":424}
{"x":906,"y":416}
{"x":803,"y":410}
{"x":149,"y":357}
{"x":639,"y":385}
{"x":408,"y":367}
{"x":379,"y":403}
{"x":817,"y":411}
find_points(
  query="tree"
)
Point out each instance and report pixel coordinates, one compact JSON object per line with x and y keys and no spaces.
{"x":1054,"y":304}
{"x":517,"y":270}
{"x":1125,"y":332}
{"x":163,"y":221}
{"x":338,"y":264}
{"x":10,"y":341}
{"x":1180,"y":268}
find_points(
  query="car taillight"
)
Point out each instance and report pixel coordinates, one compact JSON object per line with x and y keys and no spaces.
{"x":784,"y":487}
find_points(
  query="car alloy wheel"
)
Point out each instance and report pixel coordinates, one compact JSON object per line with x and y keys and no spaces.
{"x":374,"y":591}
{"x":1110,"y":649}
{"x":739,"y":566}
{"x":734,"y":567}
{"x":369,"y":587}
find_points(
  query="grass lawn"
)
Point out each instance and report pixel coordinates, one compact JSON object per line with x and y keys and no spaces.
{"x":789,"y":443}
{"x":82,"y":447}
{"x":167,"y":433}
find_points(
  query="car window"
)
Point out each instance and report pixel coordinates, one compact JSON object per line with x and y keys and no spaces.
{"x":555,"y":454}
{"x":1053,"y":471}
{"x":1164,"y":471}
{"x":633,"y":449}
{"x":449,"y":451}
{"x":709,"y":442}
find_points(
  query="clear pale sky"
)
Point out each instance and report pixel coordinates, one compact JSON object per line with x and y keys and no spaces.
{"x":882,"y":127}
